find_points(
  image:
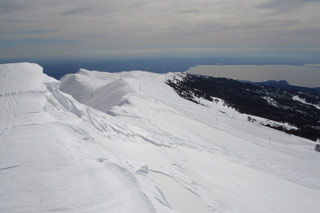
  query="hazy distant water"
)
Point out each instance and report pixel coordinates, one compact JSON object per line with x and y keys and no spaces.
{"x":307,"y":76}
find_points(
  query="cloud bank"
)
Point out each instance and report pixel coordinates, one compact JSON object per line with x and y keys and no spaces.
{"x":101,"y":27}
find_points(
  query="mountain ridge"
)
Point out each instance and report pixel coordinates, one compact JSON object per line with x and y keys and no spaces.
{"x":300,"y":109}
{"x":151,"y":152}
{"x":285,"y":85}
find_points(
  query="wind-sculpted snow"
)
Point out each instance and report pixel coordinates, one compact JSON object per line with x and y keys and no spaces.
{"x":50,"y":156}
{"x":22,"y":77}
{"x":126,"y":142}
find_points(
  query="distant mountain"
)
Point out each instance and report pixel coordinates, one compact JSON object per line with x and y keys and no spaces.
{"x":279,"y":83}
{"x":285,"y":85}
{"x":317,"y":89}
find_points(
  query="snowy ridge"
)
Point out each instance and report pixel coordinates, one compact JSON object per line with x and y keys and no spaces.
{"x":126,"y":142}
{"x":50,"y":158}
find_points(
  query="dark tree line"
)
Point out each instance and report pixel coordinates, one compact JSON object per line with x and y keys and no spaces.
{"x":252,"y":99}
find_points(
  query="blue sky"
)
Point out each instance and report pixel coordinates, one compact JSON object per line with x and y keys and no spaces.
{"x":119,"y":28}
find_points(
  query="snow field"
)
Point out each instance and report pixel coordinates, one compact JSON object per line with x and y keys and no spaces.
{"x":126,"y":142}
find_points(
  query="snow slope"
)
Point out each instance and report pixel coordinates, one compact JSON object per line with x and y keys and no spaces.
{"x":51,"y":158}
{"x":126,"y":142}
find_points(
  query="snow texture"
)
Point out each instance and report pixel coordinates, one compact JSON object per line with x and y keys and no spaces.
{"x":126,"y":142}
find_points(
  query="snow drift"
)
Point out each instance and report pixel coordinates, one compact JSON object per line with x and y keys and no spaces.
{"x":126,"y":142}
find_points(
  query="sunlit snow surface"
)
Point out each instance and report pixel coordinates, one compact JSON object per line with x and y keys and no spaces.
{"x":139,"y":147}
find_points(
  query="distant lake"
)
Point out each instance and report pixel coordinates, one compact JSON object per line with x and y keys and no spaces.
{"x":307,"y":75}
{"x":57,"y":69}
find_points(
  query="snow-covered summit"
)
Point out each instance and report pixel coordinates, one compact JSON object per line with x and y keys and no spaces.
{"x":126,"y":142}
{"x":51,"y":158}
{"x":22,"y":77}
